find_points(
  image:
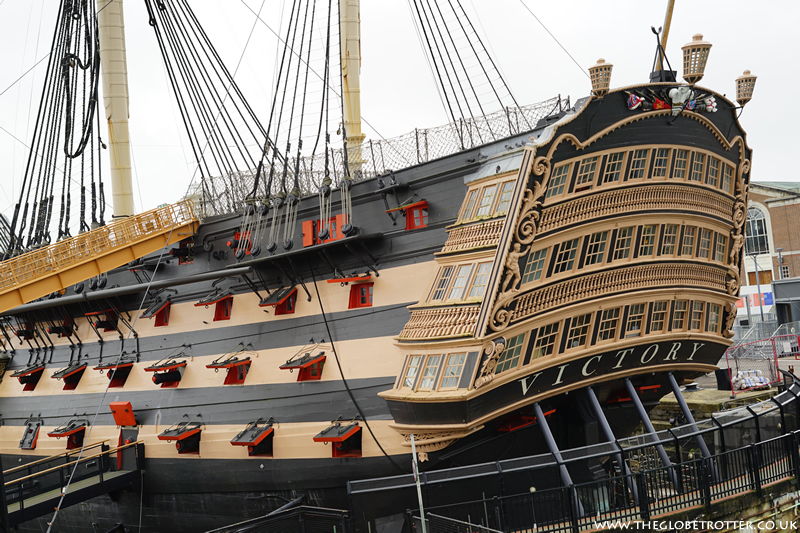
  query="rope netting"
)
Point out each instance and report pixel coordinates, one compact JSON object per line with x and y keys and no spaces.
{"x":227,"y":193}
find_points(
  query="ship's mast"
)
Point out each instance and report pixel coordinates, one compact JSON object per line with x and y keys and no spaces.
{"x":665,"y":31}
{"x":350,"y":28}
{"x":113,"y":62}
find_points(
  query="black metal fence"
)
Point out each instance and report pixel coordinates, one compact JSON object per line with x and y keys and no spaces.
{"x":301,"y":519}
{"x":640,"y":496}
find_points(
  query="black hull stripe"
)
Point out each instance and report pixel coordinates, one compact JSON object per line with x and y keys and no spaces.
{"x":317,"y":401}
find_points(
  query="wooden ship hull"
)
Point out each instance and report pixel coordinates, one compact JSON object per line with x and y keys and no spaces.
{"x":465,"y":298}
{"x":396,"y":353}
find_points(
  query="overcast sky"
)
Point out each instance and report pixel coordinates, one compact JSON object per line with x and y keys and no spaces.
{"x":398,"y":93}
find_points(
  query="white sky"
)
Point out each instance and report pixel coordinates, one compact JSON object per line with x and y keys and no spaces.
{"x":398,"y":93}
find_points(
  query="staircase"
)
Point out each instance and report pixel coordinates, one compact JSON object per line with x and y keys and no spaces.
{"x":55,"y":267}
{"x":96,"y":473}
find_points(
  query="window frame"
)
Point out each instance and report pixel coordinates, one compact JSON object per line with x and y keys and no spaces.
{"x":408,"y":366}
{"x":512,"y":354}
{"x":664,"y":320}
{"x":689,"y":232}
{"x":699,"y":166}
{"x":721,"y":248}
{"x":474,"y":277}
{"x":714,"y":311}
{"x":355,"y":295}
{"x":469,"y":205}
{"x":630,"y":333}
{"x":680,"y":169}
{"x":701,"y":312}
{"x":605,"y":319}
{"x":674,"y":316}
{"x":636,"y":172}
{"x":489,"y":204}
{"x":585,"y":327}
{"x":432,"y":362}
{"x":550,"y":332}
{"x":560,"y":260}
{"x":666,"y":158}
{"x":447,"y":364}
{"x":504,"y":197}
{"x":756,"y":232}
{"x":713,"y":174}
{"x":529,"y":275}
{"x":652,"y":238}
{"x":674,"y":238}
{"x":596,"y":255}
{"x":557,"y":182}
{"x":617,"y":256}
{"x":587,"y":173}
{"x":706,"y":237}
{"x":614,"y":168}
{"x":411,"y":217}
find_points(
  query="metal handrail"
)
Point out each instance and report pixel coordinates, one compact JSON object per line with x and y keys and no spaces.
{"x":52,"y":458}
{"x":73,"y":463}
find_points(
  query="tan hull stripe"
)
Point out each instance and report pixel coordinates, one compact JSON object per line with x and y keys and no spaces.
{"x":291,"y":441}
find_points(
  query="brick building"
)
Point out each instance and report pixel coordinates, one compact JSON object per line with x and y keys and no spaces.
{"x":773,"y":232}
{"x":772,"y":243}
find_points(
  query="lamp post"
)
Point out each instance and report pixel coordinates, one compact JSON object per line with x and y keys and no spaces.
{"x":780,"y":263}
{"x":758,"y":286}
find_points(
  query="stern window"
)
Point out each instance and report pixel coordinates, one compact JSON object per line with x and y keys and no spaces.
{"x":510,"y":358}
{"x":429,"y":374}
{"x":411,"y":371}
{"x":452,"y":370}
{"x":546,"y":340}
{"x":533,"y":270}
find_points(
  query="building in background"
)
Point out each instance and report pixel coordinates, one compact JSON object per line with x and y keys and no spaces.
{"x":772,"y":248}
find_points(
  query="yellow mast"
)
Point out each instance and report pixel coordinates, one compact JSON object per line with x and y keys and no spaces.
{"x":665,"y":31}
{"x":350,"y":27}
{"x":111,"y":26}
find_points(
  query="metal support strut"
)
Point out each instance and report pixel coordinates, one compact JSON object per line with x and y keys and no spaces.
{"x":651,"y":430}
{"x":553,"y":447}
{"x":606,"y":428}
{"x":687,"y":414}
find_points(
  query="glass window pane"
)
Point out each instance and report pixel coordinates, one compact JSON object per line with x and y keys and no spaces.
{"x":452,"y":370}
{"x":411,"y":370}
{"x":557,"y":181}
{"x":624,"y":240}
{"x":509,"y":359}
{"x":613,"y":167}
{"x":505,"y":198}
{"x":533,"y":270}
{"x":485,"y":205}
{"x":566,"y":256}
{"x":429,"y":374}
{"x":460,"y":282}
{"x":441,"y":285}
{"x":596,"y":248}
{"x":480,"y":281}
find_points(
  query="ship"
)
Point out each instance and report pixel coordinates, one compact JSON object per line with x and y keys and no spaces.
{"x":298,"y":322}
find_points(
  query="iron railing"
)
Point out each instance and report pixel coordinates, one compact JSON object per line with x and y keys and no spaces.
{"x":628,"y":498}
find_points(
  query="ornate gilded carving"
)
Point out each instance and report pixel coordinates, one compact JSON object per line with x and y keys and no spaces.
{"x":730,"y":318}
{"x":512,"y":270}
{"x":432,"y":441}
{"x":492,"y":351}
{"x":525,"y":233}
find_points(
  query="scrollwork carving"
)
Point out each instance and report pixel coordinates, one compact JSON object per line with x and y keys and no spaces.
{"x":492,"y":351}
{"x":730,"y":318}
